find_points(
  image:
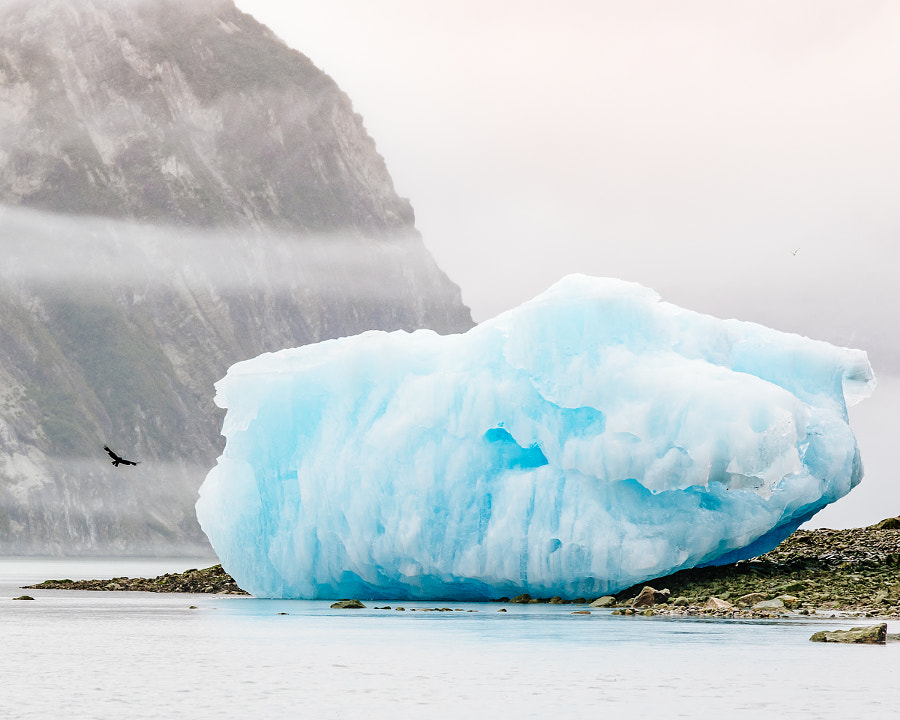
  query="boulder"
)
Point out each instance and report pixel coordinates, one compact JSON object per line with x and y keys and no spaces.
{"x":715,"y":603}
{"x":602,"y":602}
{"x":347,"y":605}
{"x":767,"y":605}
{"x":650,"y":596}
{"x":750,"y":599}
{"x":870,"y":634}
{"x":789,"y":601}
{"x":24,"y":597}
{"x":522,"y":599}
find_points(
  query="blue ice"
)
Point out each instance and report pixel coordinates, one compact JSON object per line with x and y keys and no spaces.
{"x":590,"y":439}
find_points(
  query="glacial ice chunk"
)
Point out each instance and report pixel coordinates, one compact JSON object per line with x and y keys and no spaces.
{"x":591,"y":439}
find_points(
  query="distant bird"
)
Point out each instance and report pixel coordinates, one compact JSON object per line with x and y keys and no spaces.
{"x":116,"y":460}
{"x":795,"y":251}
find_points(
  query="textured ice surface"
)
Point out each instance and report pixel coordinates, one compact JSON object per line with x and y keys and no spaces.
{"x":592,"y":438}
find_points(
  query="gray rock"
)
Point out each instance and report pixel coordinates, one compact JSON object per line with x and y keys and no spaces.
{"x":347,"y":605}
{"x":24,"y":597}
{"x":751,"y":599}
{"x":766,"y":605}
{"x":870,"y":635}
{"x":715,"y":603}
{"x":602,"y":602}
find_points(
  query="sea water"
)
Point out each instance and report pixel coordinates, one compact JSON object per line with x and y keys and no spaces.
{"x":82,"y":654}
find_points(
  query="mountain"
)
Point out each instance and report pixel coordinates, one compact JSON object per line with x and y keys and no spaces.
{"x":179,"y":190}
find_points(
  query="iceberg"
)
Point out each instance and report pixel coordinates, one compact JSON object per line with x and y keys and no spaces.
{"x":591,"y":439}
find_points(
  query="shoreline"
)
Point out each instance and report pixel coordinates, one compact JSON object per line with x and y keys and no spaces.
{"x":854,"y":572}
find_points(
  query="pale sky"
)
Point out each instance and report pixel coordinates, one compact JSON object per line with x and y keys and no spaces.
{"x":691,"y":146}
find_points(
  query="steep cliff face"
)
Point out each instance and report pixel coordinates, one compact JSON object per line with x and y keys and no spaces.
{"x":180,"y":112}
{"x":179,"y":191}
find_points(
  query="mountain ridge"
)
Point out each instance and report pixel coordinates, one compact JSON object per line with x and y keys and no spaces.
{"x":145,"y":123}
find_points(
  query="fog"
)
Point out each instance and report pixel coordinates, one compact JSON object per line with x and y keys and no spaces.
{"x":655,"y":141}
{"x":41,"y":247}
{"x":741,"y":158}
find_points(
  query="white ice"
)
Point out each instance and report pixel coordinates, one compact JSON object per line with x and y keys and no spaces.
{"x":591,"y":439}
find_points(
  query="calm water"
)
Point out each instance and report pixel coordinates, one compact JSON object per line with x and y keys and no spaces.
{"x":140,"y":655}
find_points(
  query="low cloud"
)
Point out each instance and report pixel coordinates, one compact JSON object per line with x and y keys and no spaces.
{"x":47,"y":248}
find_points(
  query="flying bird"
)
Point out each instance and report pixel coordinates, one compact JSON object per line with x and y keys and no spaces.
{"x":116,"y":460}
{"x":795,"y":252}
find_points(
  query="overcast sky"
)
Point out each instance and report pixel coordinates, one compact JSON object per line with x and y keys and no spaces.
{"x":692,"y":146}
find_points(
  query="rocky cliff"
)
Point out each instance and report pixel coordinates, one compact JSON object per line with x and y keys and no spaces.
{"x":180,"y":190}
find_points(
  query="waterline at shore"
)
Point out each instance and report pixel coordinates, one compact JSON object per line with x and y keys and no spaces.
{"x":153,"y":656}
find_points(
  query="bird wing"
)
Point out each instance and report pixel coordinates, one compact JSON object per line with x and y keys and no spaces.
{"x":111,"y":453}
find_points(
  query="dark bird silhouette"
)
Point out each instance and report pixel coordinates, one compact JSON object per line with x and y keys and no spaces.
{"x":116,"y":460}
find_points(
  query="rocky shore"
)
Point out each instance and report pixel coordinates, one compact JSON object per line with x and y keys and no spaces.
{"x":811,"y":573}
{"x":826,"y":572}
{"x":209,"y":580}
